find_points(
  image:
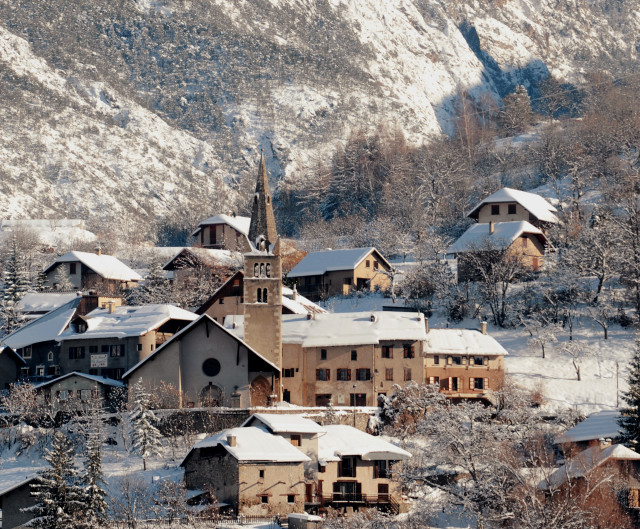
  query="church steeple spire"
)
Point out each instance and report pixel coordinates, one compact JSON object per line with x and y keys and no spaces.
{"x":263,"y":223}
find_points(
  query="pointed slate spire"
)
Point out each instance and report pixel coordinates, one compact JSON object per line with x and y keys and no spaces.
{"x":263,"y":223}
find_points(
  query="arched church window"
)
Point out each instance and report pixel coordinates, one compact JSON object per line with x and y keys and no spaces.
{"x":259,"y":295}
{"x":264,"y":295}
{"x":255,"y":270}
{"x":261,"y":269}
{"x":268,"y":270}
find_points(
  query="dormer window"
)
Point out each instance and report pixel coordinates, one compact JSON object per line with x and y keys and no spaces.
{"x":82,"y":327}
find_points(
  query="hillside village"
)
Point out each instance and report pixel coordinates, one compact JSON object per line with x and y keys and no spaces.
{"x":288,"y":399}
{"x":320,"y":264}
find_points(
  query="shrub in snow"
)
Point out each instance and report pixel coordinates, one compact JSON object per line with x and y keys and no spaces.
{"x":146,"y":439}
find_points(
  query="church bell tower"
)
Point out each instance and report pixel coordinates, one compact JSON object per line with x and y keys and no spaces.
{"x":263,"y":279}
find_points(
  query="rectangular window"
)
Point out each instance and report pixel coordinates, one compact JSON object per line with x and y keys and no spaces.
{"x":347,"y":467}
{"x":104,"y":348}
{"x":478,"y":360}
{"x":291,"y":498}
{"x":288,"y":372}
{"x":264,"y":499}
{"x":363,"y":373}
{"x":117,"y":350}
{"x":39,"y":371}
{"x":407,"y":374}
{"x":64,"y":394}
{"x":24,"y":371}
{"x":434,"y":380}
{"x":367,"y":264}
{"x":139,"y":347}
{"x":409,"y":351}
{"x":26,"y":352}
{"x":323,"y":399}
{"x":495,"y":209}
{"x":261,"y":474}
{"x":76,"y":353}
{"x":85,"y":394}
{"x":387,"y":351}
{"x":72,"y":268}
{"x":296,"y":439}
{"x":93,"y":349}
{"x":380,"y":469}
{"x":375,"y":265}
{"x":354,"y":356}
{"x":347,"y":281}
{"x":436,"y":360}
{"x":511,"y":209}
{"x":344,"y":374}
{"x":323,"y":354}
{"x":322,"y":374}
{"x":221,"y":301}
{"x":388,"y":373}
{"x":457,"y":360}
{"x":477,"y":383}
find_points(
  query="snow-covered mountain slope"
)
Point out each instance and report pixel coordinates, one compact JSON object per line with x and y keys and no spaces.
{"x":130,"y":111}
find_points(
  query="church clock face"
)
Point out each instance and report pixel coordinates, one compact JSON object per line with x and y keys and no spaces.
{"x":211,"y":367}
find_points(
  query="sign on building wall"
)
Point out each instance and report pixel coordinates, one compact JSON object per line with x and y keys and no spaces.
{"x":341,"y":398}
{"x":98,"y":360}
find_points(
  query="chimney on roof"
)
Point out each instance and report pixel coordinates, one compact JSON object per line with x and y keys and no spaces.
{"x":309,"y":315}
{"x":491,"y":228}
{"x":231,"y":439}
{"x":295,"y":293}
{"x":98,"y":250}
{"x":483,"y":327}
{"x":604,"y":443}
{"x":112,"y":306}
{"x":373,"y":317}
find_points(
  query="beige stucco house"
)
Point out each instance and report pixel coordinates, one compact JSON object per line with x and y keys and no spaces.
{"x":255,"y":472}
{"x":513,"y":205}
{"x":466,"y":363}
{"x":338,"y":272}
{"x":224,"y":232}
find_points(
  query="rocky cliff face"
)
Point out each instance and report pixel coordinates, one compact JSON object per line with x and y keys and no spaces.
{"x":132,"y":113}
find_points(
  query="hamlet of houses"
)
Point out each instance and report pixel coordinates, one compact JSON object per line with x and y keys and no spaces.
{"x":257,"y":343}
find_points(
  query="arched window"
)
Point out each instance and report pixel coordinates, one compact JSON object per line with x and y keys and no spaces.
{"x":255,"y":270}
{"x":268,"y":270}
{"x":259,"y":295}
{"x":264,"y":295}
{"x":261,"y":269}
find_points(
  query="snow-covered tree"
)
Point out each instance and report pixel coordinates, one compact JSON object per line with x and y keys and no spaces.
{"x":630,"y":416}
{"x":516,"y":114}
{"x":16,"y":284}
{"x":62,"y":280}
{"x":146,"y":439}
{"x":59,"y":497}
{"x":578,"y":351}
{"x":155,"y":289}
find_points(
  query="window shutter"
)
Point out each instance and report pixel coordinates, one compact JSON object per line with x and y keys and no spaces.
{"x":485,"y":361}
{"x":431,"y":380}
{"x":460,"y":388}
{"x":368,"y":374}
{"x":486,"y":383}
{"x":348,"y":374}
{"x":317,"y":374}
{"x":450,"y":383}
{"x":413,"y":351}
{"x":328,"y":374}
{"x":449,"y":360}
{"x":471,"y":361}
{"x":339,"y":471}
{"x":472,"y":384}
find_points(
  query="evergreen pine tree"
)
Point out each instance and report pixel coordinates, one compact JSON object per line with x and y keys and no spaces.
{"x":146,"y":439}
{"x":59,"y":497}
{"x":95,"y":506}
{"x":630,"y":415}
{"x":16,"y":285}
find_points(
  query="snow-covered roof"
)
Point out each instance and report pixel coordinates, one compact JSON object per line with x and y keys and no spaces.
{"x":127,"y":320}
{"x":253,"y":445}
{"x":105,"y":266}
{"x":187,"y":329}
{"x":600,"y":425}
{"x":7,"y":487}
{"x":533,"y":203}
{"x":240,"y":224}
{"x":504,"y":233}
{"x":462,"y":342}
{"x":44,"y":329}
{"x":210,"y":257}
{"x":299,"y":305}
{"x":93,"y":378}
{"x":589,"y":459}
{"x":341,"y":440}
{"x":345,"y":328}
{"x":42,"y":302}
{"x":285,"y":423}
{"x":319,"y":263}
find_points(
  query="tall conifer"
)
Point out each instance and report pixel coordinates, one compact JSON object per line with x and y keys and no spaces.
{"x":630,"y":415}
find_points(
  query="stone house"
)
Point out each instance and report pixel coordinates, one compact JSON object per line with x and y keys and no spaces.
{"x":224,"y":232}
{"x":347,"y":358}
{"x":15,"y":496}
{"x":466,"y":363}
{"x":229,"y":300}
{"x":11,"y":364}
{"x":76,"y":391}
{"x":488,"y":242}
{"x":253,"y":471}
{"x":337,"y":272}
{"x":108,"y":342}
{"x":91,"y":271}
{"x":513,"y":205}
{"x":208,"y":366}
